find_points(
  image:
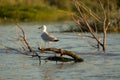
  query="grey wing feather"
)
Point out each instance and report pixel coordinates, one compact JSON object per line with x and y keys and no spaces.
{"x":47,"y":37}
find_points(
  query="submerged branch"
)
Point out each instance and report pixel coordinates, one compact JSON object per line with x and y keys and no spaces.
{"x":63,"y":52}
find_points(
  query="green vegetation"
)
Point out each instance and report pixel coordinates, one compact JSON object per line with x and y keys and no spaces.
{"x":29,"y":13}
{"x":55,"y":10}
{"x":25,"y":11}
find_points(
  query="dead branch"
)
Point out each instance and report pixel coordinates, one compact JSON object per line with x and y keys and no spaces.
{"x":13,"y":49}
{"x":88,"y":26}
{"x":24,"y":38}
{"x":106,"y":23}
{"x":79,"y":4}
{"x":63,"y":52}
{"x":82,"y":9}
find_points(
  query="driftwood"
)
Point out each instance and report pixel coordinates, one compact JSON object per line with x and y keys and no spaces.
{"x":63,"y":52}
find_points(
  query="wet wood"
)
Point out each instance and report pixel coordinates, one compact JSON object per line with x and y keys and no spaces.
{"x":59,"y":58}
{"x":63,"y":52}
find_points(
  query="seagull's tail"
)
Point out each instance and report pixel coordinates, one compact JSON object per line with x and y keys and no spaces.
{"x":56,"y":40}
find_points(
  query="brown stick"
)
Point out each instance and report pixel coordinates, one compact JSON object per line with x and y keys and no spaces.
{"x":63,"y":52}
{"x":24,"y":39}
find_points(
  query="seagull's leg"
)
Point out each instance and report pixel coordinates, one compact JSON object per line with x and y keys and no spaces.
{"x":44,"y":44}
{"x":48,"y":44}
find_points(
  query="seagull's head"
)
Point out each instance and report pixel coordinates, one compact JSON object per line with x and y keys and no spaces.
{"x":43,"y":27}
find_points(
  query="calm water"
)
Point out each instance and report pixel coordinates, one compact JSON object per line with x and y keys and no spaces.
{"x":97,"y":65}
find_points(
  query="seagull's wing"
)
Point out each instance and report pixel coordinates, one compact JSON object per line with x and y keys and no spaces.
{"x":48,"y":37}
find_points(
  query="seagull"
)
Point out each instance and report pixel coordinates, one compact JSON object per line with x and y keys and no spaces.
{"x":47,"y":37}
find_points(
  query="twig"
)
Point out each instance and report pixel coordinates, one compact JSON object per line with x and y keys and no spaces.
{"x":24,"y":39}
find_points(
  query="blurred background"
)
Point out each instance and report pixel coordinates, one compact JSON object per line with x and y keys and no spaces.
{"x":53,"y":10}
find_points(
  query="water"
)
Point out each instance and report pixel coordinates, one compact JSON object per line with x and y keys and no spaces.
{"x":96,"y":65}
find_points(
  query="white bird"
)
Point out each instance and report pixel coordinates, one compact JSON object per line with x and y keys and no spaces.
{"x":47,"y":38}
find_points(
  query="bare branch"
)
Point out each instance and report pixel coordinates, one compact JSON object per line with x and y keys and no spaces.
{"x":81,"y":4}
{"x":24,"y":38}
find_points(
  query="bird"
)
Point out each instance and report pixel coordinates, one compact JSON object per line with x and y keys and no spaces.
{"x":47,"y":37}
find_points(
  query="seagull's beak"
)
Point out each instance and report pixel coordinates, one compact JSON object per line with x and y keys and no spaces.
{"x":39,"y":27}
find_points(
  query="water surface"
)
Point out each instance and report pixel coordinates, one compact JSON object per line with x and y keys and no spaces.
{"x":96,"y":65}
